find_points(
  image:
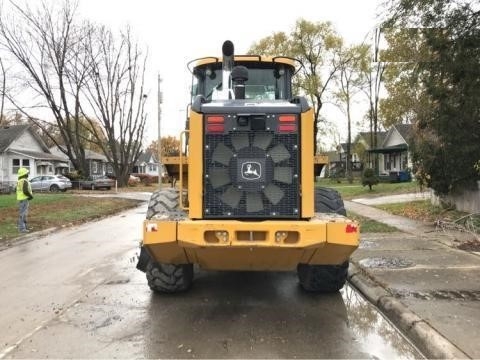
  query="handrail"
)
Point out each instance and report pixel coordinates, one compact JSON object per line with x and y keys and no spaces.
{"x":180,"y":169}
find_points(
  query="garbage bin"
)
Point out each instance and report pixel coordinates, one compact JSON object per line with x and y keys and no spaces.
{"x":404,"y":176}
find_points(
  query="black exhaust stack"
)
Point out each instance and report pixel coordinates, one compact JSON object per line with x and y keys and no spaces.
{"x":237,"y":74}
{"x":227,"y":66}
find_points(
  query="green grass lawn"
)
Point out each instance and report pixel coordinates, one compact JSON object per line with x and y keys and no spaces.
{"x":422,"y":210}
{"x":63,"y":209}
{"x":57,"y":210}
{"x":355,"y":189}
{"x":370,"y":226}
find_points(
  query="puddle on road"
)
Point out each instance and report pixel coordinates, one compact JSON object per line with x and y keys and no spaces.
{"x":373,"y":331}
{"x":386,"y":263}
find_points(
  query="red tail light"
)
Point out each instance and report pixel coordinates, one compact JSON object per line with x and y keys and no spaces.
{"x":287,"y":118}
{"x":287,"y":123}
{"x":215,"y":124}
{"x":350,"y":228}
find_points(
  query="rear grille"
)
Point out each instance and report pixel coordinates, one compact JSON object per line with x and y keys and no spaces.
{"x":251,"y":174}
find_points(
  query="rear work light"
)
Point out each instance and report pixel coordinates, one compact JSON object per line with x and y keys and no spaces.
{"x":215,"y":124}
{"x":287,"y":123}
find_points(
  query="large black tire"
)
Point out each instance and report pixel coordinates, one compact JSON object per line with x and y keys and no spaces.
{"x":167,"y":278}
{"x":325,"y":278}
{"x":322,"y":278}
{"x":329,"y":201}
{"x":165,"y":203}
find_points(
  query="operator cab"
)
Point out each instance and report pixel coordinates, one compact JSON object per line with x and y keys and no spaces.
{"x":262,"y":78}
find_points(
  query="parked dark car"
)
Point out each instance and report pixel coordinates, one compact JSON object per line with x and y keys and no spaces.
{"x":97,"y":182}
{"x":52,"y":183}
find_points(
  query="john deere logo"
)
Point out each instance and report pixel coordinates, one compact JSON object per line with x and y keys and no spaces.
{"x":251,"y":170}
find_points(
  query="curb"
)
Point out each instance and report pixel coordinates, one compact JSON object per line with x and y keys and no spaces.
{"x":429,"y":341}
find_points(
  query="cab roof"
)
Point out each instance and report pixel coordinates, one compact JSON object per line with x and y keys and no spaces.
{"x":245,"y":58}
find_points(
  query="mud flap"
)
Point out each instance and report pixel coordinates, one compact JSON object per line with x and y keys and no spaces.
{"x":143,"y":259}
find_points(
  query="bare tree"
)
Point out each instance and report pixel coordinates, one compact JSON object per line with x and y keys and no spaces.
{"x":373,"y":73}
{"x":350,"y":80}
{"x":91,"y":82}
{"x":2,"y":100}
{"x":48,"y":47}
{"x":117,"y":97}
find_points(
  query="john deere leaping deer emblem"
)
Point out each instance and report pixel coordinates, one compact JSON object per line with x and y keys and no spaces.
{"x":251,"y":170}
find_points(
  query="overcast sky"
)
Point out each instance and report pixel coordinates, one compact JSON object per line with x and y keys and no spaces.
{"x":178,"y":31}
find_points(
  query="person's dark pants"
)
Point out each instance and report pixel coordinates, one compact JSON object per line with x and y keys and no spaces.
{"x":22,"y":217}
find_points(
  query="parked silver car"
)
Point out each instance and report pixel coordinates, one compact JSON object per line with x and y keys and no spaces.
{"x":52,"y":183}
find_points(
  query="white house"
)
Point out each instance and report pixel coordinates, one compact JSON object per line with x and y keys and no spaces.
{"x":394,"y":154}
{"x":20,"y":146}
{"x":148,"y":164}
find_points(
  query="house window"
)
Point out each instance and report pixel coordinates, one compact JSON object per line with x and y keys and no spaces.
{"x":17,"y":163}
{"x":94,"y":167}
{"x":152,"y":167}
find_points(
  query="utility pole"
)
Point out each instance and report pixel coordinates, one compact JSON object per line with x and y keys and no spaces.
{"x":159,"y":141}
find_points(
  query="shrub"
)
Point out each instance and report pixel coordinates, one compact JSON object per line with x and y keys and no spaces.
{"x":369,"y":178}
{"x":146,"y":179}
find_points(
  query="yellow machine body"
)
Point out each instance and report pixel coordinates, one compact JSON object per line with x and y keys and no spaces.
{"x":249,"y":245}
{"x":244,"y":245}
{"x":245,"y":198}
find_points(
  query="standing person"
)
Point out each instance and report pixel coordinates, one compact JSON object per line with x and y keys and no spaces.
{"x":24,"y":195}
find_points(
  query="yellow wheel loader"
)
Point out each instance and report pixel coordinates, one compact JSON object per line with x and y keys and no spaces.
{"x":246,"y":197}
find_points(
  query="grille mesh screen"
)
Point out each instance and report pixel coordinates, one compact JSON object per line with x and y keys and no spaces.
{"x":251,"y":174}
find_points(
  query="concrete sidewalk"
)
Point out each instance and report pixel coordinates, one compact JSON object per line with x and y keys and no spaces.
{"x":418,"y":277}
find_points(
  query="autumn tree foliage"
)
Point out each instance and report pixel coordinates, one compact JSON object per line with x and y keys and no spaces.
{"x":443,"y":105}
{"x":170,"y":146}
{"x":318,"y":47}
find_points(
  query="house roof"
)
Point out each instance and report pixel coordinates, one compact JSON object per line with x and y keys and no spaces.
{"x":405,"y":130}
{"x":38,"y":155}
{"x":92,"y":155}
{"x":380,"y":137}
{"x":8,"y":134}
{"x":89,"y":154}
{"x":145,"y":157}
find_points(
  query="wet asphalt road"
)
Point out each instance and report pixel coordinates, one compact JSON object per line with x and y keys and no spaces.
{"x":76,"y":294}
